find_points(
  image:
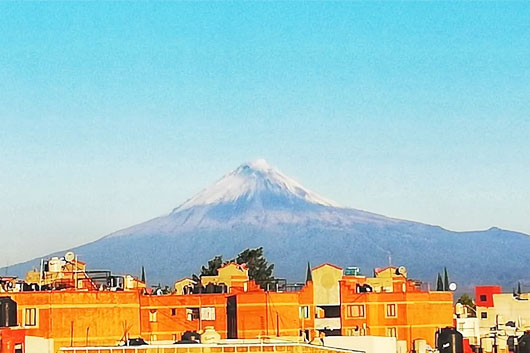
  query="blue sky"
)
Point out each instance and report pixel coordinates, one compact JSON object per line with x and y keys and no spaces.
{"x":112,"y":113}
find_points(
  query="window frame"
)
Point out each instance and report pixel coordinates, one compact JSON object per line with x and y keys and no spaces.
{"x":391,"y":313}
{"x":153,"y":315}
{"x":31,"y":317}
{"x":304,"y":312}
{"x":193,"y":313}
{"x":361,"y":311}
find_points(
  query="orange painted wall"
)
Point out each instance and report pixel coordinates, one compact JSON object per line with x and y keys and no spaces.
{"x":10,"y":337}
{"x":419,"y":314}
{"x":76,"y":318}
{"x":171,"y":319}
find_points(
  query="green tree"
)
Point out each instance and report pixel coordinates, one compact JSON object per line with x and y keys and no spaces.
{"x":259,"y":268}
{"x":213,"y":265}
{"x":439,"y":283}
{"x":446,"y":279}
{"x":308,"y":275}
{"x":466,"y":300}
{"x":143,"y":274}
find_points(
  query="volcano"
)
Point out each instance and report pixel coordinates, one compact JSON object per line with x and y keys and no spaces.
{"x":257,"y":205}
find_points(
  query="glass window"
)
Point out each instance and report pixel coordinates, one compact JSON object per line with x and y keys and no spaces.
{"x":355,"y":311}
{"x":30,"y":317}
{"x":304,"y":312}
{"x":391,"y":332}
{"x":152,"y":315}
{"x":192,"y":314}
{"x":483,"y":315}
{"x":208,"y":313}
{"x":391,"y":310}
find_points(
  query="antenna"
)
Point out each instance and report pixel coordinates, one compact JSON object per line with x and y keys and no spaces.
{"x":389,"y":258}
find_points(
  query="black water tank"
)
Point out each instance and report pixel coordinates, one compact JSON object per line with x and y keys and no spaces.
{"x":449,"y":340}
{"x":8,"y":312}
{"x":523,"y":343}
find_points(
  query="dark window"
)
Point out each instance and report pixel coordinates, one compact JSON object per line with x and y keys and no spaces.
{"x":173,"y":312}
{"x":483,"y":298}
{"x":483,"y":315}
{"x":192,"y":314}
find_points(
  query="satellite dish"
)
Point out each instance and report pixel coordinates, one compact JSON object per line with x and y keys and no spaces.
{"x":69,"y":256}
{"x":452,"y":286}
{"x":402,"y":270}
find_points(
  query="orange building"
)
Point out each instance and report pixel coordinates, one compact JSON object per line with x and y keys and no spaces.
{"x":334,"y":301}
{"x":389,"y":304}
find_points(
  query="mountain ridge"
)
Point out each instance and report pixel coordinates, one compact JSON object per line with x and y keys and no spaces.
{"x":257,"y":205}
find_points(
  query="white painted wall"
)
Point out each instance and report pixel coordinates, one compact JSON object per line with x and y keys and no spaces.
{"x":38,"y":345}
{"x":369,"y":344}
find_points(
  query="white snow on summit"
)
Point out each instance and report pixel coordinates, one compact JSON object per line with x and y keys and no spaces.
{"x":249,"y":180}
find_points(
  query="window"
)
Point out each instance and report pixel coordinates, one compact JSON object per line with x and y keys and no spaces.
{"x":483,"y":298}
{"x":391,"y":332}
{"x":391,"y":310}
{"x":192,"y":314}
{"x":355,"y":311}
{"x":30,"y":317}
{"x":152,"y":315}
{"x":208,"y":313}
{"x":483,"y":315}
{"x":304,"y":312}
{"x":173,"y":312}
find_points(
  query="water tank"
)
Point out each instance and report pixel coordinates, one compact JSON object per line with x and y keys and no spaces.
{"x":524,"y":343}
{"x":55,"y":265}
{"x":8,"y":312}
{"x":449,"y":340}
{"x":210,"y":335}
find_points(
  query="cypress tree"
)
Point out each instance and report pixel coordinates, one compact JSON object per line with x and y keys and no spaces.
{"x":519,"y":288}
{"x":446,"y":279}
{"x":439,"y":283}
{"x":143,"y":274}
{"x":308,"y":275}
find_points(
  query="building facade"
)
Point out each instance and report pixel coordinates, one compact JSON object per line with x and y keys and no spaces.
{"x":333,"y":301}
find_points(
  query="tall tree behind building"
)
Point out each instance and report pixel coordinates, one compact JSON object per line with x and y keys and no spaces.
{"x":259,"y":268}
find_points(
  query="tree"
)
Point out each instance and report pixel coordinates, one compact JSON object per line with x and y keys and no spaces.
{"x":143,"y":274}
{"x":213,"y":265}
{"x":308,"y":275}
{"x":439,"y":283}
{"x":466,"y":300}
{"x":446,"y":279}
{"x":519,"y":288}
{"x":259,"y":269}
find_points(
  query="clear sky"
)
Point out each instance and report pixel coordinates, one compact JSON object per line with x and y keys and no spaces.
{"x":112,"y":113}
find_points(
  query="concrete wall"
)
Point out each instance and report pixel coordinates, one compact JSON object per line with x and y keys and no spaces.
{"x":326,"y":284}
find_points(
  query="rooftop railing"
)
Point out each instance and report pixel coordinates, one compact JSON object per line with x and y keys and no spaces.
{"x":213,"y":348}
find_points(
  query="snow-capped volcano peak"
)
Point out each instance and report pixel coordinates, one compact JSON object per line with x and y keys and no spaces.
{"x":256,"y":181}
